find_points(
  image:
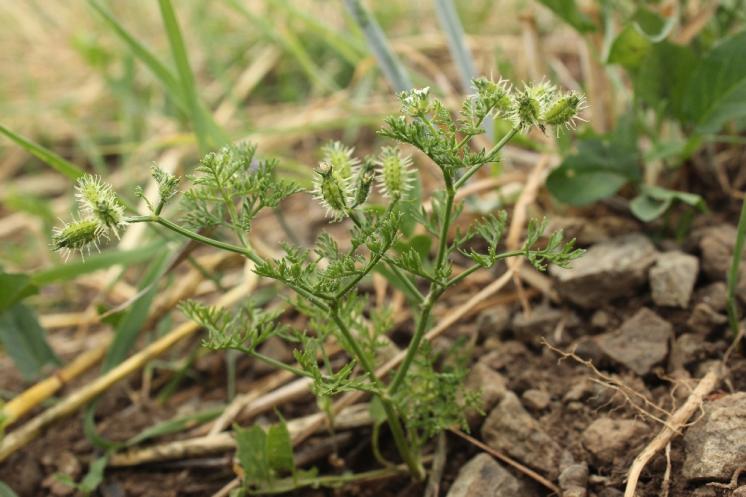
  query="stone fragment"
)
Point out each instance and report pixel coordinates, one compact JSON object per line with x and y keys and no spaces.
{"x":573,"y":480}
{"x":704,"y":319}
{"x":483,"y":476}
{"x":511,"y":429}
{"x":739,"y":492}
{"x":715,"y":445}
{"x":672,"y":279}
{"x":608,"y":438}
{"x":536,"y":400}
{"x":640,"y":343}
{"x":541,"y":322}
{"x":716,"y":245}
{"x":490,"y":384}
{"x":715,"y":295}
{"x":493,"y":321}
{"x":609,"y":270}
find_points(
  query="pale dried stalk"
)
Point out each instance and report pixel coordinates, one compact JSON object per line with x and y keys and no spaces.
{"x":350,"y":418}
{"x":41,"y":391}
{"x":674,"y":423}
{"x":26,"y":433}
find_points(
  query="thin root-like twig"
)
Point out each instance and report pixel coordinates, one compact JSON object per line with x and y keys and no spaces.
{"x":675,"y":422}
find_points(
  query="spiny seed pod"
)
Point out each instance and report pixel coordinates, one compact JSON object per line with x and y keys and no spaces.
{"x":97,"y":199}
{"x":341,"y":159}
{"x":331,"y":191}
{"x":168,"y":184}
{"x":530,"y":104}
{"x":363,"y":181}
{"x":394,"y":174}
{"x":564,"y":111}
{"x":494,"y":95}
{"x":79,"y":235}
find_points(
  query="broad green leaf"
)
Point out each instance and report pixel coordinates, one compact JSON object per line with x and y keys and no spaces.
{"x":280,"y":448}
{"x":14,"y":287}
{"x":251,"y":450}
{"x":716,"y":92}
{"x":569,"y":12}
{"x":629,"y":48}
{"x":25,"y":341}
{"x":45,"y":155}
{"x":68,"y":271}
{"x":653,"y":201}
{"x":663,"y":76}
{"x":601,"y":166}
{"x":6,"y":491}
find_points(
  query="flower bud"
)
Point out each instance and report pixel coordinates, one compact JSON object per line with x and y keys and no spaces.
{"x":78,"y":235}
{"x":331,"y":191}
{"x":97,"y":199}
{"x":564,"y":110}
{"x":394,"y":174}
{"x":340,"y":158}
{"x":415,"y":102}
{"x":493,"y":95}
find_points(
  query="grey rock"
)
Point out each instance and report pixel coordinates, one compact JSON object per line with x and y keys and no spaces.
{"x":688,"y":348}
{"x":672,"y":279}
{"x":483,"y":476}
{"x":541,"y":322}
{"x":640,"y":343}
{"x":704,"y":319}
{"x":535,"y":399}
{"x":705,"y":492}
{"x":573,"y":480}
{"x":511,"y":429}
{"x":490,"y":384}
{"x":715,"y":295}
{"x":716,"y":245}
{"x":716,"y":445}
{"x":608,"y":438}
{"x":739,"y":492}
{"x":609,"y":270}
{"x":493,"y":322}
{"x":601,"y":319}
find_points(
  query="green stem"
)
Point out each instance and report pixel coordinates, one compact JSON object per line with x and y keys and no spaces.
{"x":245,"y":251}
{"x":471,"y":171}
{"x":274,"y":362}
{"x":397,"y":431}
{"x":468,"y":272}
{"x":734,"y":270}
{"x":414,"y":345}
{"x":446,"y":224}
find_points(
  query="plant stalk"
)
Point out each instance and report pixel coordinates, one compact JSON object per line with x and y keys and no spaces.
{"x":735,"y":264}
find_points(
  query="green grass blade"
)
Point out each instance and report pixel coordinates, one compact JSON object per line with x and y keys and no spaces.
{"x":451,"y":24}
{"x":160,"y":71}
{"x":733,"y":272}
{"x":290,"y":44}
{"x":45,"y":155}
{"x":347,"y":46}
{"x":209,"y":135}
{"x":389,"y":62}
{"x":68,"y":271}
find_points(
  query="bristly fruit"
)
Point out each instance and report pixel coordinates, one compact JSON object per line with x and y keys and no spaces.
{"x":332,"y":191}
{"x":79,"y":235}
{"x":394,"y":174}
{"x":564,"y":111}
{"x":97,"y":200}
{"x":341,"y":159}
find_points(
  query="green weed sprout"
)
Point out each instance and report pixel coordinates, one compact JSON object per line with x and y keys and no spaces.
{"x":230,"y":187}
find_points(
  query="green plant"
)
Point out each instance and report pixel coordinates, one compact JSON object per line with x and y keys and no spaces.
{"x":230,"y":187}
{"x":684,"y":90}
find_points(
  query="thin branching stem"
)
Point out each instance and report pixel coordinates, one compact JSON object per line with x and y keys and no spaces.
{"x":490,"y":155}
{"x":733,"y":272}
